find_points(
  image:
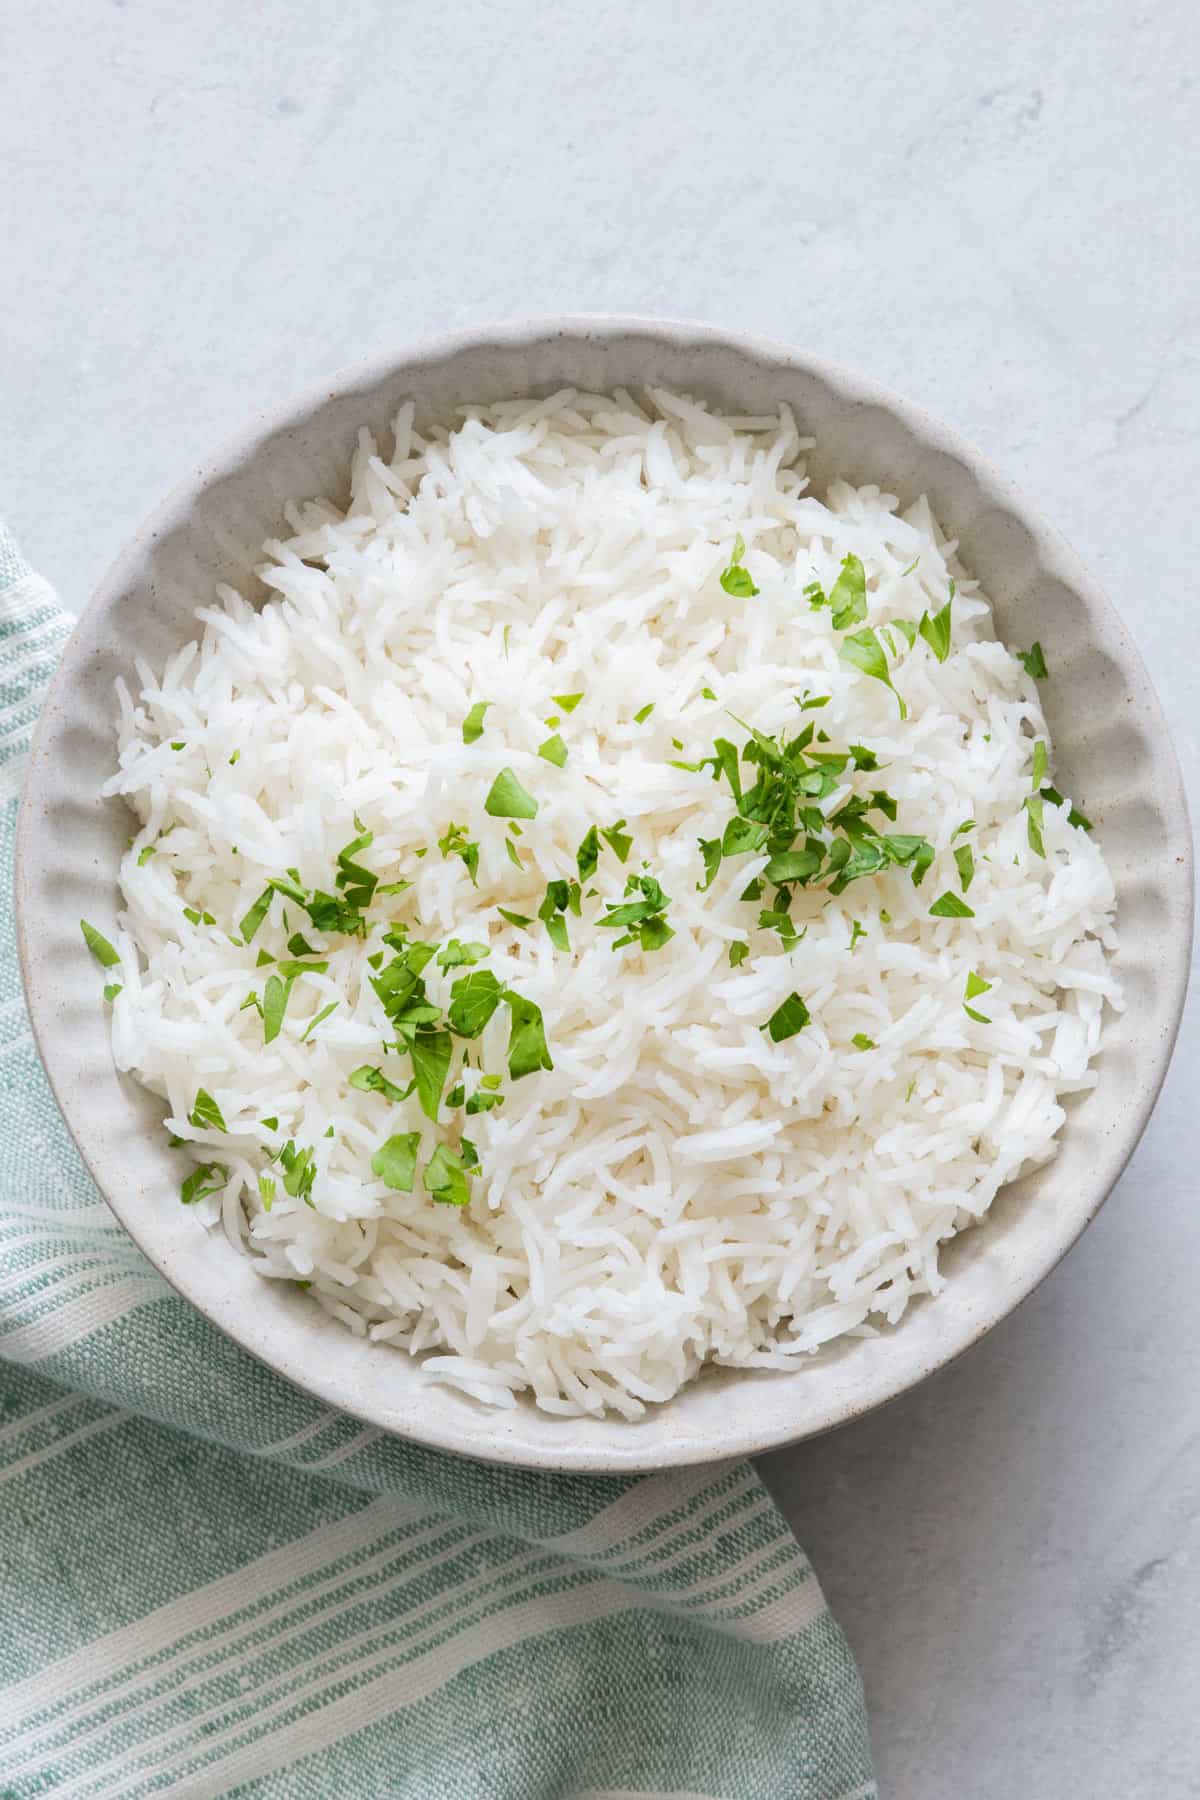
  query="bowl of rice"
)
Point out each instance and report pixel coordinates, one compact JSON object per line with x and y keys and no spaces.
{"x":603,"y":894}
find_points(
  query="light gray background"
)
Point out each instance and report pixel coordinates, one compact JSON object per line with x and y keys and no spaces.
{"x":992,"y":208}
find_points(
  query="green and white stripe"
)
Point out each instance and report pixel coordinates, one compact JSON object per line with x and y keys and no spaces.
{"x":213,"y":1584}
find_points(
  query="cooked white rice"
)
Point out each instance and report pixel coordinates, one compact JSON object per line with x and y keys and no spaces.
{"x":679,"y":1189}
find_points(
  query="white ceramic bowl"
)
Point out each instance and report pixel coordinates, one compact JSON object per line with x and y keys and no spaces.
{"x":1110,"y":743}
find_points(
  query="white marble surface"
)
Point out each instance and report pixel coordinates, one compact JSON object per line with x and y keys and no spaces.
{"x":991,"y":208}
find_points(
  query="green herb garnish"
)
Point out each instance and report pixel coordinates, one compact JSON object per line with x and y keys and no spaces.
{"x":640,"y":717}
{"x":266,"y":1191}
{"x":99,"y":946}
{"x":1040,"y":763}
{"x":206,"y":1113}
{"x":527,"y":1050}
{"x":395,"y":1161}
{"x":431,"y":1052}
{"x":949,"y":906}
{"x":1033,"y":823}
{"x":144,"y":855}
{"x":453,"y":842}
{"x":473,"y":1000}
{"x":965,"y":859}
{"x":861,"y":1041}
{"x":736,"y":579}
{"x":205,"y":1179}
{"x":507,"y":799}
{"x":253,"y":919}
{"x":568,"y":702}
{"x":373,"y":1081}
{"x":863,"y":650}
{"x":112,"y":990}
{"x":848,"y":595}
{"x":318,"y":1019}
{"x":787,"y":1019}
{"x":445,"y":1178}
{"x":935,"y":629}
{"x":274,"y":1004}
{"x":617,"y":840}
{"x":472,"y":727}
{"x":587,"y":857}
{"x":1033,"y":662}
{"x":976,"y":986}
{"x":552,"y":751}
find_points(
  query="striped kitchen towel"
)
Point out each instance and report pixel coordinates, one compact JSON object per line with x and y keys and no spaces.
{"x":211,"y":1584}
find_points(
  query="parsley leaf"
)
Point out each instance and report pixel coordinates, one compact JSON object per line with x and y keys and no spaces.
{"x":472,"y":729}
{"x":568,"y":702}
{"x":373,"y":1081}
{"x":848,"y":595}
{"x":144,"y":855}
{"x":618,"y":841}
{"x":99,"y":946}
{"x":521,"y":920}
{"x":1040,"y":763}
{"x":299,"y":1171}
{"x":553,"y":751}
{"x":861,"y":1041}
{"x":317,"y":1020}
{"x":640,"y":717}
{"x":976,"y":985}
{"x":274,"y":1004}
{"x":935,"y":629}
{"x":1034,"y":810}
{"x":473,"y":1000}
{"x":445,"y":1179}
{"x":266,"y":1191}
{"x":736,"y":579}
{"x":430,"y":1052}
{"x":205,"y":1179}
{"x":787,"y":1019}
{"x":587,"y":857}
{"x":964,"y":857}
{"x":453,"y":842}
{"x":863,"y":650}
{"x":455,"y":955}
{"x":738,"y":954}
{"x":112,"y":990}
{"x":507,"y":799}
{"x":395,"y":1161}
{"x":1033,"y":662}
{"x":527,"y":1050}
{"x":206,"y":1112}
{"x":949,"y":906}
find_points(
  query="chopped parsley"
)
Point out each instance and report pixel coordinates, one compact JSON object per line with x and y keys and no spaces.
{"x":206,"y":1113}
{"x":1040,"y":763}
{"x":646,"y":916}
{"x":112,"y":990}
{"x":445,"y":1177}
{"x":706,"y":693}
{"x":787,"y":1019}
{"x":205,"y":1179}
{"x":1033,"y":662}
{"x":521,"y":920}
{"x":484,"y":1100}
{"x":856,"y":933}
{"x":552,"y":911}
{"x":299,"y":1171}
{"x":587,"y":857}
{"x":472,"y":728}
{"x":568,"y":702}
{"x":643,"y":713}
{"x":618,"y":841}
{"x":967,"y":825}
{"x":949,"y":906}
{"x":357,"y":883}
{"x":738,"y":954}
{"x":507,"y":799}
{"x":935,"y":629}
{"x":552,"y":751}
{"x":964,"y":858}
{"x":318,"y":1019}
{"x":431,"y":1052}
{"x":251,"y":920}
{"x":395,"y":1161}
{"x":274,"y":1004}
{"x":861,"y":1041}
{"x":373,"y":1081}
{"x":454,"y":842}
{"x":527,"y":1050}
{"x":144,"y":855}
{"x":455,"y":955}
{"x":513,"y":854}
{"x":1033,"y":822}
{"x":976,"y":985}
{"x":473,"y":1000}
{"x":863,"y":650}
{"x":736,"y":579}
{"x":99,"y":946}
{"x":266,"y":1191}
{"x":848,"y":595}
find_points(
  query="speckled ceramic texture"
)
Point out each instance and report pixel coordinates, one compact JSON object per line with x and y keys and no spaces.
{"x":1111,"y":747}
